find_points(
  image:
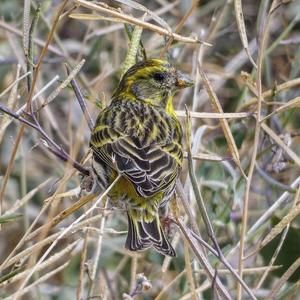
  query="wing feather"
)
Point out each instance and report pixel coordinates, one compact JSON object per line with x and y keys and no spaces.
{"x":150,"y":162}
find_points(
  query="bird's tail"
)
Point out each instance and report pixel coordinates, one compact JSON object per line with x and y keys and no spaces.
{"x":143,"y":234}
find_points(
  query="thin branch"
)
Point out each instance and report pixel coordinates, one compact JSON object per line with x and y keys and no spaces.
{"x":180,"y":25}
{"x":204,"y":262}
{"x":102,"y":7}
{"x":262,"y":46}
{"x":210,"y":115}
{"x":47,"y":252}
{"x":55,"y":149}
{"x":81,"y":101}
{"x":222,"y":259}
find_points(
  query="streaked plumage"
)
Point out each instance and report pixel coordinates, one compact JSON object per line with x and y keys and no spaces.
{"x":139,"y":137}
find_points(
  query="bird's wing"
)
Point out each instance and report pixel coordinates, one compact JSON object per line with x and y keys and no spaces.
{"x":150,"y":168}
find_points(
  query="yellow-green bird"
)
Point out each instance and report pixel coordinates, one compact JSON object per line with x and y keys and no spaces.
{"x":139,"y":137}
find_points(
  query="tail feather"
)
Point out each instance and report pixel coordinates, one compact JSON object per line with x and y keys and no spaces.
{"x":142,"y":235}
{"x":136,"y":238}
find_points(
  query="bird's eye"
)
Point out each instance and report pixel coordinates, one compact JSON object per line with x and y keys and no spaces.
{"x":159,"y":77}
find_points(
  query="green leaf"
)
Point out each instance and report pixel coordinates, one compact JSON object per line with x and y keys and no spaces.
{"x":9,"y":218}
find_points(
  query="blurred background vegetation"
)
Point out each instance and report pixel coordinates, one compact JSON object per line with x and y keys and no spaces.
{"x":90,"y":261}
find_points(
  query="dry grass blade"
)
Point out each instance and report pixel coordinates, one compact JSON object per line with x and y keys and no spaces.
{"x":271,"y":210}
{"x":98,"y":250}
{"x":38,"y":94}
{"x":92,"y":17}
{"x":138,"y":6}
{"x":284,"y":278}
{"x":187,"y":207}
{"x":273,"y":258}
{"x":19,"y":203}
{"x":46,"y":264}
{"x":23,"y":255}
{"x":281,"y":144}
{"x":204,"y":262}
{"x":115,"y":27}
{"x":3,"y":125}
{"x":250,"y":271}
{"x":9,"y":168}
{"x":220,"y":256}
{"x":189,"y":271}
{"x":131,"y":20}
{"x":43,"y":278}
{"x":28,"y":102}
{"x":65,"y":213}
{"x":13,"y":84}
{"x":64,"y":84}
{"x":217,"y":115}
{"x":165,"y":289}
{"x":4,"y":122}
{"x":262,"y":46}
{"x":43,"y":53}
{"x":210,"y":232}
{"x":80,"y":282}
{"x":47,"y":252}
{"x":242,"y":29}
{"x":37,"y":41}
{"x":293,"y":103}
{"x":224,"y":124}
{"x":133,"y":271}
{"x":3,"y":265}
{"x":204,"y":287}
{"x":180,"y":25}
{"x":204,"y":156}
{"x":279,"y":88}
{"x":294,"y":212}
{"x":196,"y":189}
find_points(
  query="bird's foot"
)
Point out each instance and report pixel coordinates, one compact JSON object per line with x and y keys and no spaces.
{"x":166,"y":223}
{"x":88,"y":182}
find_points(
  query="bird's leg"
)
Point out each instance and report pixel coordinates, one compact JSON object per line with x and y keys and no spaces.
{"x":166,"y":218}
{"x":89,"y":182}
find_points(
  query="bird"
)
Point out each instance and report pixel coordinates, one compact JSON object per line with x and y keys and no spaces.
{"x":139,"y":138}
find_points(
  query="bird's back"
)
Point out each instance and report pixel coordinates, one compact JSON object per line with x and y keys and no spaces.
{"x":141,"y":142}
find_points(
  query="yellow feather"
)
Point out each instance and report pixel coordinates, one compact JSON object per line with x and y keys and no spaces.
{"x":170,"y":108}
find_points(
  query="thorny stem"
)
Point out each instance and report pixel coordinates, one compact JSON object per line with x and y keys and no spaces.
{"x":29,"y":99}
{"x":81,"y":102}
{"x":55,"y":149}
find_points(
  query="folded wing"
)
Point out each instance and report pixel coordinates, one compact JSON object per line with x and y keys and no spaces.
{"x":150,"y":166}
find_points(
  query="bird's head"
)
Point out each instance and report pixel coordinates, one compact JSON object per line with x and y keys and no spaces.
{"x":154,"y":81}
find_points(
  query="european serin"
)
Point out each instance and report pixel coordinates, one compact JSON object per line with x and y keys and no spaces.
{"x":139,"y":136}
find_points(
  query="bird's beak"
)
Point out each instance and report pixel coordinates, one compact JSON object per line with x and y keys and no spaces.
{"x":183,"y":81}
